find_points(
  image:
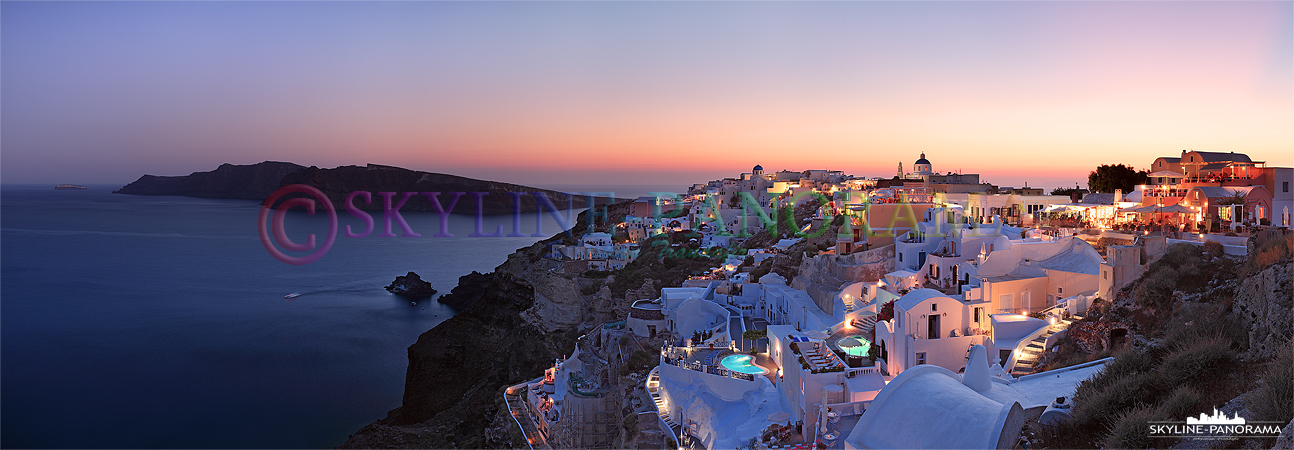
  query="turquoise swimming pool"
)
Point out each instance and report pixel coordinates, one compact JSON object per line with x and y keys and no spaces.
{"x":854,"y":346}
{"x":743,"y":364}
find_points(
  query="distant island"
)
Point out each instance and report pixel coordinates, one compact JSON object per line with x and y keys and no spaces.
{"x":68,"y":187}
{"x":258,"y":181}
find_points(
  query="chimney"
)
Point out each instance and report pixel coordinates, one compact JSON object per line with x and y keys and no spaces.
{"x":1118,"y":195}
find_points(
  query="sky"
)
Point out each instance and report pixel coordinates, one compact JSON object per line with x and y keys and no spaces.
{"x":639,"y":93}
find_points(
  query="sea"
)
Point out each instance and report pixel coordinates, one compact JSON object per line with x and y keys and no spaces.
{"x":161,"y":321}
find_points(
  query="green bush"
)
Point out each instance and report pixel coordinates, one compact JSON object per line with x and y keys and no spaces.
{"x":1156,"y":289}
{"x":1098,"y":404}
{"x":1128,"y":362}
{"x":1181,"y":403}
{"x":1193,"y":322}
{"x":1203,"y":364}
{"x":1130,"y":429}
{"x":1213,"y":249}
{"x":642,"y":360}
{"x":1274,"y":399}
{"x":630,"y":424}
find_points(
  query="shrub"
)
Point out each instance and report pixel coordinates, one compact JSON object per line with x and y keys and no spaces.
{"x":1203,"y":364}
{"x":630,"y":424}
{"x":885,"y":312}
{"x":1194,"y":322}
{"x":1126,"y":363}
{"x":642,"y":359}
{"x":1156,"y":289}
{"x":1097,"y":405}
{"x":1181,"y":403}
{"x":1213,"y":249}
{"x":1274,"y":399}
{"x":1269,"y":251}
{"x":1130,"y":429}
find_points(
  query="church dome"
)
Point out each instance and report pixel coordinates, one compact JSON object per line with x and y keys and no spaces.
{"x":923,"y":160}
{"x":759,"y":167}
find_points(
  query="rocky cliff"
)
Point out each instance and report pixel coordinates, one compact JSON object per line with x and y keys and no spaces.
{"x":258,"y":181}
{"x":823,"y":276}
{"x":1266,"y":301}
{"x":513,"y":323}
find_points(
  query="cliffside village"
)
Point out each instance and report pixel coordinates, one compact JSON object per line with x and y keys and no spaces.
{"x":939,"y":290}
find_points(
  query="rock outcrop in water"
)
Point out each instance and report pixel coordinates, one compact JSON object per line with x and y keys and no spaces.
{"x":258,"y":181}
{"x":411,"y":286}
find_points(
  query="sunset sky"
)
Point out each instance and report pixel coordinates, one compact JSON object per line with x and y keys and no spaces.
{"x":639,"y":93}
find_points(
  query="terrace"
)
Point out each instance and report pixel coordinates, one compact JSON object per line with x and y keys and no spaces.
{"x":721,"y":361}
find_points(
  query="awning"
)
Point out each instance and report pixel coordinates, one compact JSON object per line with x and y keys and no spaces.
{"x":901,"y":274}
{"x":1176,"y":209}
{"x":1167,"y":174}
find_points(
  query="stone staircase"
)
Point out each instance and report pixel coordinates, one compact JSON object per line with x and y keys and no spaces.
{"x":653,"y":388}
{"x":868,"y":322}
{"x":1034,"y":351}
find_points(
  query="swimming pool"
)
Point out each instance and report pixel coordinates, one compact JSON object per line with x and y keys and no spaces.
{"x":743,"y":364}
{"x":854,"y":346}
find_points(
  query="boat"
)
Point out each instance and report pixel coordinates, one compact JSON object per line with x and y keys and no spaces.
{"x":68,"y":187}
{"x":292,"y":295}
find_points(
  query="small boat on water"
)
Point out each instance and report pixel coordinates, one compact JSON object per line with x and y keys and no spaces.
{"x":292,"y":295}
{"x":68,"y":187}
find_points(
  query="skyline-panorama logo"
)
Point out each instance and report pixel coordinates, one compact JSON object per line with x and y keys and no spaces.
{"x":1218,"y":426}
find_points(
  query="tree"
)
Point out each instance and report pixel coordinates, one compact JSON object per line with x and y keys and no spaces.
{"x":1065,"y":191}
{"x":1107,"y":178}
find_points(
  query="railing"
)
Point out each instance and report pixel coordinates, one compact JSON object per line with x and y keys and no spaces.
{"x":856,"y":371}
{"x":1019,"y":347}
{"x":710,"y":369}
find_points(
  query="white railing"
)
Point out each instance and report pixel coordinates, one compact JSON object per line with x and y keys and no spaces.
{"x":856,"y":371}
{"x":1019,"y":347}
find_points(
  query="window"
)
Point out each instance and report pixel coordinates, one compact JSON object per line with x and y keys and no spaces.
{"x":1060,"y":290}
{"x":934,"y":306}
{"x":921,"y":357}
{"x":900,"y":257}
{"x":978,"y":314}
{"x":1285,"y":186}
{"x":1006,"y":301}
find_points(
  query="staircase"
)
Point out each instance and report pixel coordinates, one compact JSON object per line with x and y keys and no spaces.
{"x":865,"y":322}
{"x":653,"y":387}
{"x":1033,"y":352}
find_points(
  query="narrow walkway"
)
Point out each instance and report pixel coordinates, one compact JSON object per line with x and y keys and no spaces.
{"x":514,"y":396}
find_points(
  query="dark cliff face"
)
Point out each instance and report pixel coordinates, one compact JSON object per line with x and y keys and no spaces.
{"x":253,"y":182}
{"x":258,"y":181}
{"x":456,"y":370}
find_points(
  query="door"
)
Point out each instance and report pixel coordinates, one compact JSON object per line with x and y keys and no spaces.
{"x":921,"y":259}
{"x":932,"y":326}
{"x":651,"y":331}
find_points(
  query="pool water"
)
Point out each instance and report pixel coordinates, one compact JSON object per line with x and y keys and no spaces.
{"x":743,"y":364}
{"x":855,"y":346}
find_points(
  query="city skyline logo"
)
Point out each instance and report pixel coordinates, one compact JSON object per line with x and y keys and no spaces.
{"x":1218,"y":418}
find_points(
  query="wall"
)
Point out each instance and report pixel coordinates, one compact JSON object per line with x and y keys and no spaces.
{"x":1037,"y":288}
{"x":1066,"y":284}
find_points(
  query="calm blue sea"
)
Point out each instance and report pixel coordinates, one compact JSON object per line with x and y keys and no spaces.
{"x":142,"y":321}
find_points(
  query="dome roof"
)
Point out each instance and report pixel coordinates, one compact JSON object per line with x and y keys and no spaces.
{"x":923,"y":160}
{"x":759,"y":167}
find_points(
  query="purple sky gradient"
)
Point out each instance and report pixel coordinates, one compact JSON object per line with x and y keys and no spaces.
{"x":638,"y":93}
